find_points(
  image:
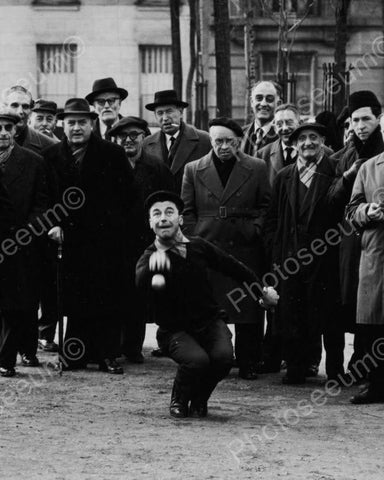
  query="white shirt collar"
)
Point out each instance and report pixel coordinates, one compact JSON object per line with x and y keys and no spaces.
{"x":168,"y":138}
{"x":266,"y":128}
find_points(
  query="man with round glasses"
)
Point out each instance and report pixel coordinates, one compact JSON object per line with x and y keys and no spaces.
{"x":151,"y":175}
{"x":106,"y":97}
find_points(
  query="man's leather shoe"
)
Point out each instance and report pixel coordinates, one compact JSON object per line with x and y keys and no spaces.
{"x":111,"y":366}
{"x":30,"y":361}
{"x":312,"y":371}
{"x":293,"y":380}
{"x":178,"y":410}
{"x":367,"y":396}
{"x":199,"y":409}
{"x":47,"y":346}
{"x":7,"y":372}
{"x":159,"y":352}
{"x":248,"y":373}
{"x":135,"y":358}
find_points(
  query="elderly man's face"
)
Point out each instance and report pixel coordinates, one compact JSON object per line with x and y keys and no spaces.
{"x":131,"y":139}
{"x":225,"y":142}
{"x":169,"y":118}
{"x":309,"y":145}
{"x":7,"y":134}
{"x":78,"y":129}
{"x":107,"y":106}
{"x":20,"y":103}
{"x":263,"y":102}
{"x":286,"y":121}
{"x":364,"y":122}
{"x":43,"y":122}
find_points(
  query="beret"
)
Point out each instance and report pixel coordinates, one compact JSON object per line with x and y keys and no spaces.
{"x":228,"y":123}
{"x":163,"y":196}
{"x":128,"y":122}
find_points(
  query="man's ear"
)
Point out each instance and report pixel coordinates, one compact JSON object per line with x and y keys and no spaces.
{"x":181,"y":220}
{"x":150,"y":222}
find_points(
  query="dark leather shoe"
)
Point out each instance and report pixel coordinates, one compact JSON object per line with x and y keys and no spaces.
{"x":292,"y":380}
{"x":47,"y":346}
{"x":178,"y":410}
{"x":198,"y":409}
{"x":7,"y":372}
{"x":159,"y":352}
{"x":367,"y":396}
{"x":135,"y":358}
{"x":30,"y":361}
{"x":312,"y":371}
{"x":111,"y":366}
{"x":248,"y":373}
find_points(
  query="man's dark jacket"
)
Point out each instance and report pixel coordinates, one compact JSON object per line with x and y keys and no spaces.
{"x":99,"y":230}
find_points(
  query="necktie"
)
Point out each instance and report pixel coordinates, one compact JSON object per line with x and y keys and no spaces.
{"x":172,"y":141}
{"x":257,"y":140}
{"x":107,"y":135}
{"x":289,"y":157}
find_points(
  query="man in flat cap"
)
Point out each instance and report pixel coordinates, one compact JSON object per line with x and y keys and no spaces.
{"x":304,"y":258}
{"x":20,"y":101}
{"x":226,"y":195}
{"x":151,"y":175}
{"x":101,"y":196}
{"x":106,"y":97}
{"x":261,"y":132}
{"x":177,"y":143}
{"x":363,"y":110}
{"x":24,"y":177}
{"x":174,"y":273}
{"x":43,"y":118}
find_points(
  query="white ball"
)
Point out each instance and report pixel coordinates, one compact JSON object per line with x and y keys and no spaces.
{"x":158,"y":281}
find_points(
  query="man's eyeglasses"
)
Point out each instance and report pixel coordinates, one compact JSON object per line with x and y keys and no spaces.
{"x":229,"y":141}
{"x":111,"y":101}
{"x":8,"y":127}
{"x":132,"y":136}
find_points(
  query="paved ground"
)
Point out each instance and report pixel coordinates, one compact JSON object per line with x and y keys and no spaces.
{"x":91,"y":425}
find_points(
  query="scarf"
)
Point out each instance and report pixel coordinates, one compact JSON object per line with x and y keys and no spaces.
{"x":179,"y":246}
{"x":307,"y":171}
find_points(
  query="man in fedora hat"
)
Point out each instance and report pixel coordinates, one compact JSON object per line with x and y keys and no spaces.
{"x":24,"y":176}
{"x":177,"y":143}
{"x":304,"y":256}
{"x":106,"y":97}
{"x":43,"y":118}
{"x":20,"y":101}
{"x":151,"y":175}
{"x":95,"y":235}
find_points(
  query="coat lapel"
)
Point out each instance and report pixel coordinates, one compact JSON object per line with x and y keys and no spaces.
{"x":208,"y":175}
{"x":239,"y":175}
{"x":188,"y":143}
{"x":292,"y":191}
{"x":276,"y":157}
{"x":14,"y":167}
{"x":154,"y":146}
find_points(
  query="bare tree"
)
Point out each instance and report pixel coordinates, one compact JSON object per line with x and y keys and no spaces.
{"x":193,"y":5}
{"x":223,"y":58}
{"x":176,"y":46}
{"x":339,"y":81}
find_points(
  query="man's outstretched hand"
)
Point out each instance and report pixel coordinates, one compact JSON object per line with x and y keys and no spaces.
{"x":159,"y":261}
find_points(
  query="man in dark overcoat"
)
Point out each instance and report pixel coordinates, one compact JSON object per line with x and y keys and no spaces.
{"x":151,"y":175}
{"x":23,"y":175}
{"x":304,"y":260}
{"x":366,"y":142}
{"x":177,"y":143}
{"x":226,"y":195}
{"x":96,"y":188}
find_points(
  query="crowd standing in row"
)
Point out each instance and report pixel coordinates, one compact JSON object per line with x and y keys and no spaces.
{"x":235,"y":215}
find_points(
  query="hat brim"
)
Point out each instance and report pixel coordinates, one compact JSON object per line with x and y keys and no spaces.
{"x":46,"y":110}
{"x":320,"y":129}
{"x":14,"y":119}
{"x":62,"y":115}
{"x":163,"y":196}
{"x":123,"y":94}
{"x":152,"y":106}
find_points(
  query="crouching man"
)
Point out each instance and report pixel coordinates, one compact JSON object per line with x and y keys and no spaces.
{"x":174,"y":272}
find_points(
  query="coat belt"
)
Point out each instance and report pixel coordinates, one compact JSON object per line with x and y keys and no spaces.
{"x":230,"y":212}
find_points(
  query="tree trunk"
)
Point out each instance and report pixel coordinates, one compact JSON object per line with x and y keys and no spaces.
{"x":339,"y":82}
{"x":176,"y":47}
{"x":223,"y":58}
{"x":192,"y":54}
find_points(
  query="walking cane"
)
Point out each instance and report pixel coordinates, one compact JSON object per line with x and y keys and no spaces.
{"x":59,"y":292}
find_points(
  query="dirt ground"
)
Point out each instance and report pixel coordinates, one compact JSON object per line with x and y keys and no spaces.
{"x":91,"y":425}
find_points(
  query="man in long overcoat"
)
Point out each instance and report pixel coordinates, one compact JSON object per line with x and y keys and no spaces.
{"x":176,"y":143}
{"x":23,"y":175}
{"x":305,"y":264}
{"x":366,"y":212}
{"x":96,"y":188}
{"x":226,"y":195}
{"x":366,"y":142}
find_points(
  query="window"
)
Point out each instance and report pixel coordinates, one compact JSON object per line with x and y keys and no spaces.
{"x":298,"y":7}
{"x":155,"y":74}
{"x":303,"y":66}
{"x":56,"y":72}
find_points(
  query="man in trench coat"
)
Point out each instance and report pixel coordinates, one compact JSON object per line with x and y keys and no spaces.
{"x":96,"y":188}
{"x":226,"y":195}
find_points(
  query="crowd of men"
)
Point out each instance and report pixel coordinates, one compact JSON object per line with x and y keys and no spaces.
{"x":232,"y":216}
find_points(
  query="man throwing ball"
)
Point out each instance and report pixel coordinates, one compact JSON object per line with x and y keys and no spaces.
{"x":174,"y":271}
